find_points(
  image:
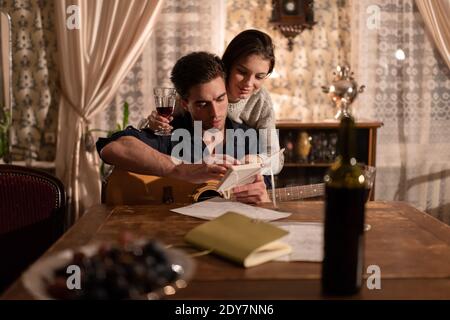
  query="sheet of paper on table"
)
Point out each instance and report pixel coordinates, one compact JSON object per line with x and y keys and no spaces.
{"x":306,"y":240}
{"x":215,"y":207}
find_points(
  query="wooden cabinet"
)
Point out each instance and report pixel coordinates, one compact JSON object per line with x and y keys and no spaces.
{"x":311,"y":148}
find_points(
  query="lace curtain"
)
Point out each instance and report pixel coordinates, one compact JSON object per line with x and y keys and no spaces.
{"x":409,"y":90}
{"x":182,"y":27}
{"x":35,"y":78}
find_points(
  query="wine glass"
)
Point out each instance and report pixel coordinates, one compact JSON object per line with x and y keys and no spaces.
{"x":165,"y":99}
{"x":369,"y":177}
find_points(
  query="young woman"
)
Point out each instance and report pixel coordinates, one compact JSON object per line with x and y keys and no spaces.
{"x":249,"y":59}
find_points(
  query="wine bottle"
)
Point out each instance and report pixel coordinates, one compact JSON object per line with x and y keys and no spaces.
{"x":344,"y":217}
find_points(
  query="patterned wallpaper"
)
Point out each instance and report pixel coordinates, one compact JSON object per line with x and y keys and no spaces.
{"x":35,"y":112}
{"x":295,"y":87}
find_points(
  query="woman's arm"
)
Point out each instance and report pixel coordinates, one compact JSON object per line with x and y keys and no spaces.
{"x":260,"y":114}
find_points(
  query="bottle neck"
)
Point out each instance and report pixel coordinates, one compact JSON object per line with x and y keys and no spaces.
{"x":347,"y":139}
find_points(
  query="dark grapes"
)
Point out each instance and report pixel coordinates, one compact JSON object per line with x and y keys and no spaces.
{"x":117,"y":273}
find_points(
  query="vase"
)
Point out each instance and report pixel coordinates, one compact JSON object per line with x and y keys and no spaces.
{"x":303,"y":146}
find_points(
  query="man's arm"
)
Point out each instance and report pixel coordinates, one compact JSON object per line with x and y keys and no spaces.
{"x":131,"y":154}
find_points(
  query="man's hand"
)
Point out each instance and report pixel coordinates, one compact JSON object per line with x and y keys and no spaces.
{"x":253,"y":193}
{"x":198,"y":173}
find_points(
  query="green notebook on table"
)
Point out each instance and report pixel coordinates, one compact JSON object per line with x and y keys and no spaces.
{"x":241,"y":239}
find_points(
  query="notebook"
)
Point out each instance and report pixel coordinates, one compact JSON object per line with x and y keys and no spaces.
{"x":243,"y":240}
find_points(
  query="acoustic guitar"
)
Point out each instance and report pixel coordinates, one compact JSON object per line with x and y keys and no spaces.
{"x":127,"y":188}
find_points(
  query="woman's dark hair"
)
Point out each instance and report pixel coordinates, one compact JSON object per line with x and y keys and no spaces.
{"x":246,"y":43}
{"x":194,"y":69}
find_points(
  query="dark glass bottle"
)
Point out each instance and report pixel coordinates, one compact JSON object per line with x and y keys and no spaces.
{"x":344,"y":217}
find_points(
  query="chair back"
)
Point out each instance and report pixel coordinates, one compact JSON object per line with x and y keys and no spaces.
{"x":32,"y":217}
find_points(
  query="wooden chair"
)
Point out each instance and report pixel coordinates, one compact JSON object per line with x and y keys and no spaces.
{"x":32,"y":216}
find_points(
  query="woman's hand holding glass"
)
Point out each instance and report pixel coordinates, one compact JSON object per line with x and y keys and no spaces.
{"x":165,"y":101}
{"x":157,"y":122}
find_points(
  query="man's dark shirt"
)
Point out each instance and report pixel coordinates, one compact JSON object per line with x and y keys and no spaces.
{"x":164,"y":144}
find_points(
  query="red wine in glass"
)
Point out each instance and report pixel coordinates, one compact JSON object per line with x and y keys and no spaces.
{"x":165,"y":111}
{"x":165,"y":99}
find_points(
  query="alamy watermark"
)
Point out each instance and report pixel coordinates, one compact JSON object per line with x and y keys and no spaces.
{"x":199,"y":147}
{"x":373,"y":19}
{"x":374,"y":280}
{"x":73,"y":20}
{"x":74,"y":279}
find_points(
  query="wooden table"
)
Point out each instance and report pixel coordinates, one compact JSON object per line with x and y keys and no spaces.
{"x":411,"y":248}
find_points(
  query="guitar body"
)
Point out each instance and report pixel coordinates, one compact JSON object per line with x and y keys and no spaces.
{"x":128,"y":188}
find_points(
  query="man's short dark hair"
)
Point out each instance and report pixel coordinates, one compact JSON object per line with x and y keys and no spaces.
{"x":194,"y":69}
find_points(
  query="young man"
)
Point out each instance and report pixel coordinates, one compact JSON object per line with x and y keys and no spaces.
{"x":199,"y":79}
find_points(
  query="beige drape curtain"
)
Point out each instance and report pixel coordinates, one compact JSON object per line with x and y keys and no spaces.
{"x":436,"y":15}
{"x":5,"y":61}
{"x":93,"y":61}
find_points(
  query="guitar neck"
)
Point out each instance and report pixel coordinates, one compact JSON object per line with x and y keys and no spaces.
{"x":299,"y":192}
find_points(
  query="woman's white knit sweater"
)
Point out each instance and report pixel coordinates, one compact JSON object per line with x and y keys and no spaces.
{"x":257,"y":112}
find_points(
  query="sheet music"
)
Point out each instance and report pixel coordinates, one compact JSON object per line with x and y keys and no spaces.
{"x":215,"y":207}
{"x":306,"y":240}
